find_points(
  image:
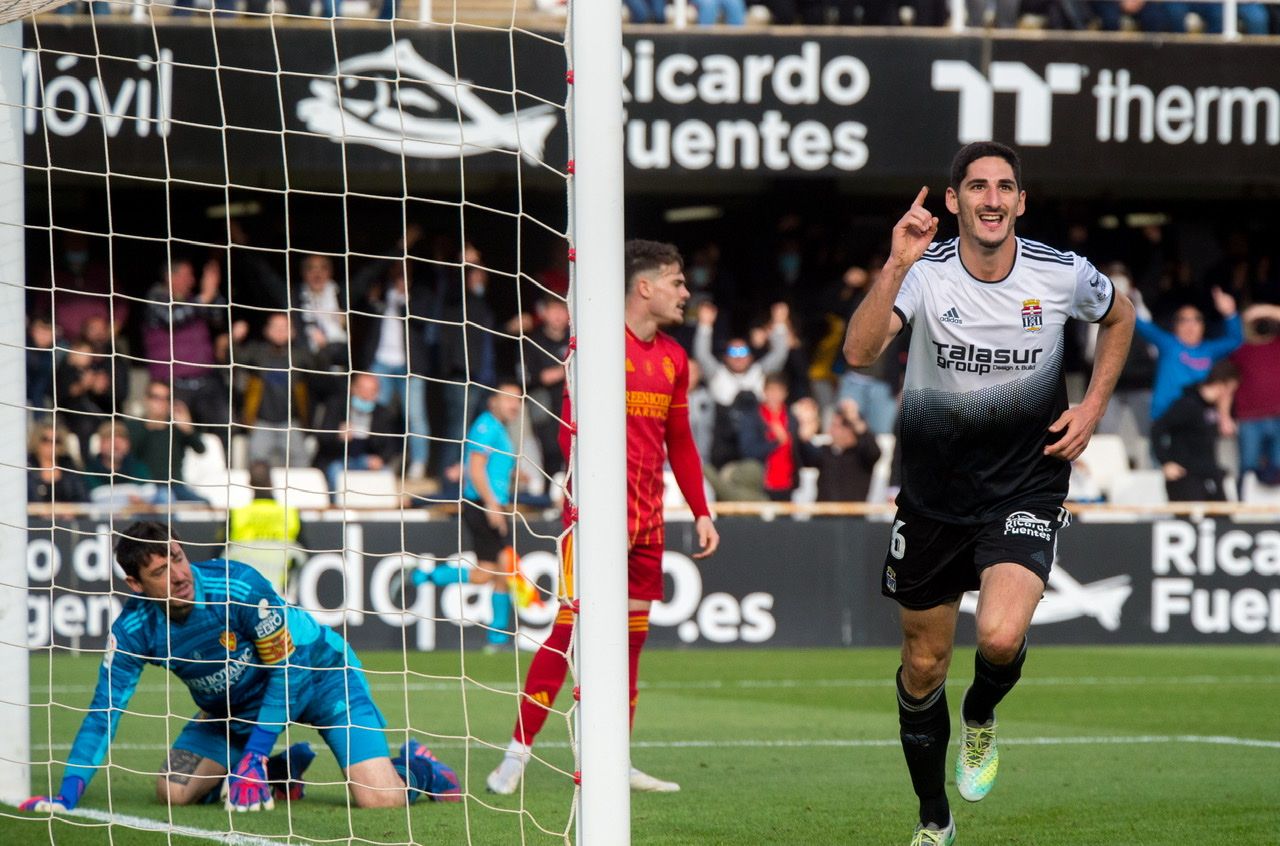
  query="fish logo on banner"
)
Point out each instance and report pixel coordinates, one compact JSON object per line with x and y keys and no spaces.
{"x":399,"y":102}
{"x":1067,"y":599}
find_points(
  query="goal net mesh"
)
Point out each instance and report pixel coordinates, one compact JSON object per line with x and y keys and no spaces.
{"x":324,"y":245}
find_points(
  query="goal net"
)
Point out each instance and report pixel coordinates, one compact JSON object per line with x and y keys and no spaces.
{"x":296,"y":284}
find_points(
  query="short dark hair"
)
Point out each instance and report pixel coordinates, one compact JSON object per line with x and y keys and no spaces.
{"x":139,"y":541}
{"x":644,"y":256}
{"x":1223,"y":371}
{"x":260,"y":475}
{"x":970,"y":153}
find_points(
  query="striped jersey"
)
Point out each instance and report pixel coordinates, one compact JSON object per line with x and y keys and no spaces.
{"x":984,"y":379}
{"x":657,"y":386}
{"x":242,"y":652}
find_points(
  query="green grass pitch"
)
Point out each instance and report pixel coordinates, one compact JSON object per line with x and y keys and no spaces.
{"x":1104,"y":745}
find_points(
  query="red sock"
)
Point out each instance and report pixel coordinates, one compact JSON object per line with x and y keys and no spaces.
{"x":638,"y":628}
{"x":546,"y":677}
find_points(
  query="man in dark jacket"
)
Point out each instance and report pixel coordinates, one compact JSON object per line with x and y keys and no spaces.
{"x":1185,"y":438}
{"x":365,"y":436}
{"x":465,"y":337}
{"x":845,"y":464}
{"x":273,"y":374}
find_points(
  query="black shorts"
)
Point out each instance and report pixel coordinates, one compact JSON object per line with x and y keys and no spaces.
{"x":931,"y":563}
{"x":486,"y":541}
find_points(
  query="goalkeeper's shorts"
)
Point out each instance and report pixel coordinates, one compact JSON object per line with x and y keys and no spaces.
{"x":339,"y":706}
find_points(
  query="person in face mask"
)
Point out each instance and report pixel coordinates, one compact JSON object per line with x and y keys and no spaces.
{"x":365,"y":436}
{"x":80,"y":288}
{"x":790,"y":263}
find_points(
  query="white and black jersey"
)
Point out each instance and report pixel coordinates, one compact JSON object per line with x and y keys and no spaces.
{"x":984,"y":379}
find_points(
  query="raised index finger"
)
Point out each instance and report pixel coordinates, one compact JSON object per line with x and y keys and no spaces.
{"x":924,"y":192}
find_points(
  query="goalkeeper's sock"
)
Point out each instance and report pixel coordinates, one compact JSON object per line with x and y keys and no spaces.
{"x":925,"y":730}
{"x":285,"y":769}
{"x":448,"y":574}
{"x":501,"y":630}
{"x":991,"y":682}
{"x":638,"y":633}
{"x":425,"y":774}
{"x":545,"y":678}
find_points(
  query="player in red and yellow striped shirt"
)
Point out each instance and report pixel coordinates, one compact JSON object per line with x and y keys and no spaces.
{"x":657,"y":432}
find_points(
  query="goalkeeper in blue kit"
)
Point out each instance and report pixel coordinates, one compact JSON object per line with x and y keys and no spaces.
{"x":253,"y":664}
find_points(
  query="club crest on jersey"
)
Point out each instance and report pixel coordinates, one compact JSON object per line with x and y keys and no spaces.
{"x":1032,"y":316}
{"x":228,"y":639}
{"x":669,"y":369}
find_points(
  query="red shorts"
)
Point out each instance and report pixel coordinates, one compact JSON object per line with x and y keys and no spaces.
{"x":644,"y":571}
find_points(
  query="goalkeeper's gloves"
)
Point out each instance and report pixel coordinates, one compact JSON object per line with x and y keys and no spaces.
{"x":247,"y":787}
{"x":68,"y":797}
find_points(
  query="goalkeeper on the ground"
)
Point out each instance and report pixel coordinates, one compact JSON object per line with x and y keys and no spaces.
{"x":253,"y":664}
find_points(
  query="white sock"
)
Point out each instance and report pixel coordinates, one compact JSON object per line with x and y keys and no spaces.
{"x":516,"y":749}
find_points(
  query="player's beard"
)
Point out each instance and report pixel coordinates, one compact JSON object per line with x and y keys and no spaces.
{"x":179,"y":609}
{"x":980,"y":236}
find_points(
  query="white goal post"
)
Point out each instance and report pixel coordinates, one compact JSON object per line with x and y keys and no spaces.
{"x":15,"y":733}
{"x":601,"y":639}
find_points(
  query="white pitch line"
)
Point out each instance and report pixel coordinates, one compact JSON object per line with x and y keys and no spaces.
{"x":231,"y":838}
{"x":769,"y":684}
{"x":840,"y":743}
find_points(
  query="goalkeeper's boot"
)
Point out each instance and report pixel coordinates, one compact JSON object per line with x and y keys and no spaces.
{"x":285,"y":769}
{"x":505,"y":778}
{"x":428,"y":774}
{"x":642,"y":782}
{"x":978,"y":760}
{"x":931,"y":835}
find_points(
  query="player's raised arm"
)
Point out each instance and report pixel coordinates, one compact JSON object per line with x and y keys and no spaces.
{"x":874,"y":323}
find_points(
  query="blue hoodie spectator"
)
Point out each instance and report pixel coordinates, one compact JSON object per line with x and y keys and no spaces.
{"x":1185,"y":356}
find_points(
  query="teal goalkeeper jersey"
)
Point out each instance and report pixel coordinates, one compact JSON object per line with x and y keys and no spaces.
{"x":243,"y":652}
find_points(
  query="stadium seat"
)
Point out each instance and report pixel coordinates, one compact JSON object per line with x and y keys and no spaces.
{"x":1228,"y":456}
{"x":368,"y":489}
{"x":207,"y":476}
{"x":222,"y":488}
{"x":807,"y":489}
{"x":672,"y":498}
{"x":1106,"y":460}
{"x":300,"y":487}
{"x":1139,"y":487}
{"x":1252,"y":490}
{"x":212,"y":463}
{"x":240,"y":451}
{"x":881,"y":473}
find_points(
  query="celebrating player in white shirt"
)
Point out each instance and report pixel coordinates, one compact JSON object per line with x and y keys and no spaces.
{"x":987,"y":441}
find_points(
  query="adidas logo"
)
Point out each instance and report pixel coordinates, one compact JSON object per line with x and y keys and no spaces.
{"x":952,"y":316}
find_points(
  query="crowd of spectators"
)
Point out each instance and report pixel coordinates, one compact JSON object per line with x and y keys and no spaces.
{"x":1099,"y":15}
{"x":387,"y":368}
{"x":1164,"y":16}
